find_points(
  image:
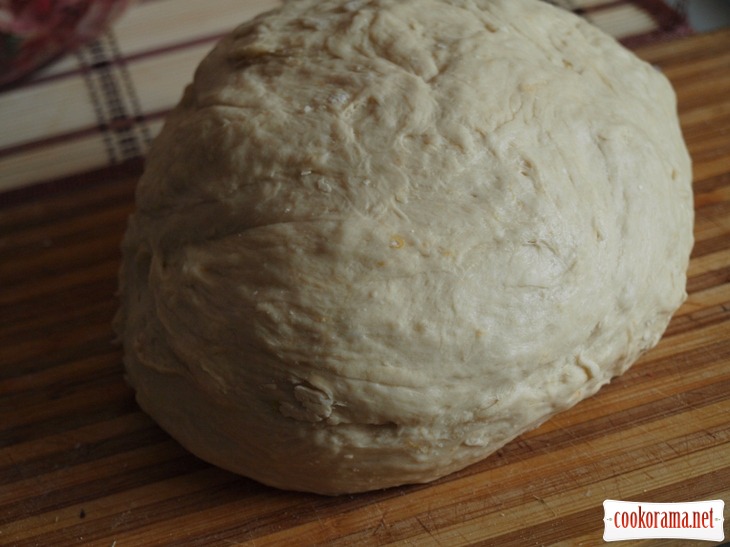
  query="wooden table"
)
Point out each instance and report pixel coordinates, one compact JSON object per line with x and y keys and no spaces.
{"x":81,"y":464}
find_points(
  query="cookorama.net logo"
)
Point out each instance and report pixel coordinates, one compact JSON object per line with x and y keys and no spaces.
{"x":698,"y":520}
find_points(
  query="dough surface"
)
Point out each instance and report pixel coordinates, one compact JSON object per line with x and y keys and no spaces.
{"x":377,"y":240}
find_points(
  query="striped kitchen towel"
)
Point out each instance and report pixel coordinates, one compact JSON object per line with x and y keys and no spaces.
{"x":102,"y":105}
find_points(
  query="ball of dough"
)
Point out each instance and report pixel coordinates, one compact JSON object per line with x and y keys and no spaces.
{"x":377,"y":240}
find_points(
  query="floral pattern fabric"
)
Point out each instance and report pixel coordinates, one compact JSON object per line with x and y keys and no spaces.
{"x":34,"y":32}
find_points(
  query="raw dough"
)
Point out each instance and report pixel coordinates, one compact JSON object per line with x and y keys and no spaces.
{"x":379,"y":239}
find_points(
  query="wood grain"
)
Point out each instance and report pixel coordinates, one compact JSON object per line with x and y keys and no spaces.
{"x":81,"y":464}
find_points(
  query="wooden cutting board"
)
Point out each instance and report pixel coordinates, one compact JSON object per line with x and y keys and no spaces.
{"x":81,"y":464}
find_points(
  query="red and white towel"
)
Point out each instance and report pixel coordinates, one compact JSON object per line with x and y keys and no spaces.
{"x":102,"y":105}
